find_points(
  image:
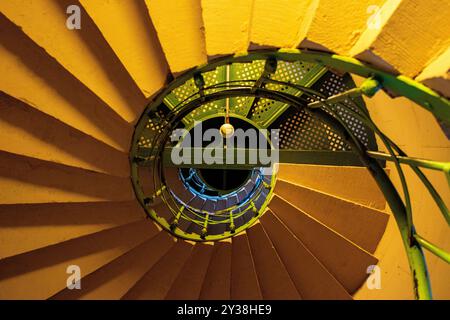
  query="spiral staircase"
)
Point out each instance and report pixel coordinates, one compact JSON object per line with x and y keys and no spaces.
{"x":87,"y":178}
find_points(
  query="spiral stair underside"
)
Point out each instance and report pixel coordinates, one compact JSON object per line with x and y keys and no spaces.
{"x":68,"y":106}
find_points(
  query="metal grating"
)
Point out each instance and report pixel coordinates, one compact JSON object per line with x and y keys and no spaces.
{"x":244,"y":71}
{"x":334,"y":84}
{"x":189,"y":91}
{"x":153,"y":127}
{"x":266,"y":110}
{"x":293,"y":72}
{"x":300,"y":131}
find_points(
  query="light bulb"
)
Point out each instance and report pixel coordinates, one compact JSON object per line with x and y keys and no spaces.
{"x":226,"y":130}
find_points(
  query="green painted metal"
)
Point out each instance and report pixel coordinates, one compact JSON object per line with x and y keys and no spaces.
{"x":396,"y":85}
{"x":190,"y":90}
{"x":317,"y":71}
{"x":369,"y":88}
{"x":327,"y":158}
{"x":146,"y":157}
{"x":428,"y":164}
{"x":204,"y":236}
{"x":268,"y":111}
{"x":433,"y":248}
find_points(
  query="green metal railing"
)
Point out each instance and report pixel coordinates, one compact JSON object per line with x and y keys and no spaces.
{"x":303,"y":98}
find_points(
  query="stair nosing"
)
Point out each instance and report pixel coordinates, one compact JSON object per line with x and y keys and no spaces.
{"x":316,"y":260}
{"x":298,"y":184}
{"x":324,"y":225}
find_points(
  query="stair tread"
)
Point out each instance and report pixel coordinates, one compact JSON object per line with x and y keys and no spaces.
{"x":134,"y":42}
{"x":179,"y":27}
{"x":327,"y":17}
{"x":41,"y":273}
{"x":156,"y":283}
{"x":229,"y":34}
{"x":310,"y":277}
{"x":344,"y":260}
{"x":217,"y":282}
{"x":274,"y":25}
{"x":188,"y":284}
{"x":29,"y":132}
{"x":350,"y":183}
{"x":176,"y":185}
{"x":395,"y":49}
{"x":27,"y":227}
{"x":362,"y":225}
{"x":113,"y":280}
{"x":244,"y":280}
{"x":39,"y":80}
{"x":84,"y":52}
{"x":20,"y":176}
{"x":435,"y":74}
{"x":273,"y":277}
{"x":162,"y":210}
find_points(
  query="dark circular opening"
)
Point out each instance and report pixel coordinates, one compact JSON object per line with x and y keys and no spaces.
{"x":225,"y":180}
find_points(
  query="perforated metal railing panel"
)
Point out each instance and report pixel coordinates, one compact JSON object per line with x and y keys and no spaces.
{"x":265,"y":110}
{"x":301,"y":73}
{"x":332,"y":84}
{"x":301,"y":131}
{"x":298,"y":130}
{"x":153,"y":127}
{"x":189,"y":91}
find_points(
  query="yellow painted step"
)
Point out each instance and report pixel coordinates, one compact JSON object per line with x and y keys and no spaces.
{"x":28,"y":227}
{"x":40,"y":81}
{"x":244,"y":281}
{"x":128,"y":29}
{"x":351,"y":183}
{"x":227,"y":25}
{"x":279,"y":23}
{"x":42,"y":273}
{"x":360,"y":224}
{"x":273,"y":277}
{"x":336,"y":25}
{"x":188,"y":284}
{"x":411,"y":34}
{"x":437,"y":74}
{"x":216,"y":285}
{"x":179,"y":26}
{"x":343,"y":259}
{"x":310,"y":277}
{"x":29,"y":132}
{"x":28,"y":180}
{"x":84,"y":52}
{"x":113,"y":280}
{"x":156,"y":283}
